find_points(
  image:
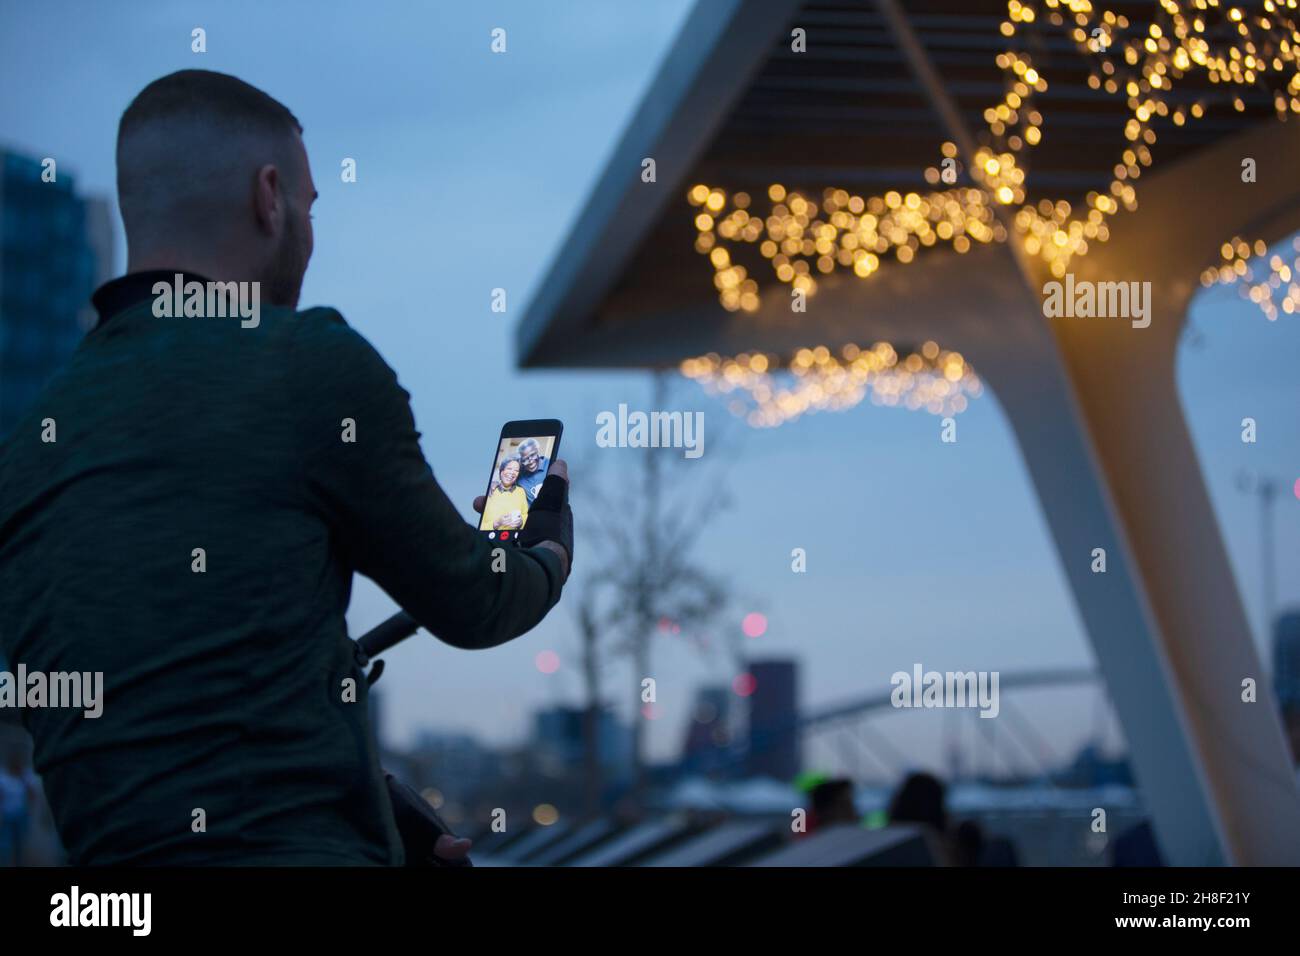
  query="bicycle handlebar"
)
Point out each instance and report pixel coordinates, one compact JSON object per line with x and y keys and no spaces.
{"x":383,"y":636}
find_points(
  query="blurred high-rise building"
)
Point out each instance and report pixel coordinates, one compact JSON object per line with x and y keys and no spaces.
{"x":709,"y":733}
{"x":773,"y":714}
{"x":558,"y":741}
{"x":1286,"y":676}
{"x":55,"y":248}
{"x":1286,"y":661}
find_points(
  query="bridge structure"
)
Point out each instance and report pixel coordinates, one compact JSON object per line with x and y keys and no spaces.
{"x":854,"y":739}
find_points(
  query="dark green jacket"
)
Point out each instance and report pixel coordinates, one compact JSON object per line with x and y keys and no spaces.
{"x":224,"y":689}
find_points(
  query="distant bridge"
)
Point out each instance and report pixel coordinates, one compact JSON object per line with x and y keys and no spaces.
{"x":851,"y":734}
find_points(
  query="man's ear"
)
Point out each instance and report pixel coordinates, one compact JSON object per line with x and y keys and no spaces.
{"x":268,"y":200}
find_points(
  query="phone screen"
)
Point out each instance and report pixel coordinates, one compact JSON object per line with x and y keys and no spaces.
{"x":517,"y":475}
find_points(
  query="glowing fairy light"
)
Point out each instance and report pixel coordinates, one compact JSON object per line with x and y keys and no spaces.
{"x":768,"y":391}
{"x":798,"y":237}
{"x":1268,"y":281}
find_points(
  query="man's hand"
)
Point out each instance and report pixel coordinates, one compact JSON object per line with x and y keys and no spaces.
{"x":560,"y":469}
{"x":559,"y":552}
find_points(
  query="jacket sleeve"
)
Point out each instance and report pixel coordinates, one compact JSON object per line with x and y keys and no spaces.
{"x":389,"y":513}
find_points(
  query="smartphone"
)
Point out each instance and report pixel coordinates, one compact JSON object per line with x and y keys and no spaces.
{"x":523,"y":457}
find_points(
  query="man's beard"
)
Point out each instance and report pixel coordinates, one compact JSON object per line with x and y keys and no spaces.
{"x":282,"y":281}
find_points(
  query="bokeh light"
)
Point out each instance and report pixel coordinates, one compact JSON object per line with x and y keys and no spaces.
{"x":744,"y":685}
{"x":768,"y":390}
{"x":544,"y":814}
{"x":1268,"y":281}
{"x":754,"y":624}
{"x":1156,"y":72}
{"x":548,"y":662}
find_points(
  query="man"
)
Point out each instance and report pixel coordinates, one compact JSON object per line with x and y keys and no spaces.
{"x":534,"y":467}
{"x":184,"y":507}
{"x":833,"y":803}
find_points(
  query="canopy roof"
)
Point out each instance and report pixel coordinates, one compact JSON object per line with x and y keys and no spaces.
{"x":733,"y":106}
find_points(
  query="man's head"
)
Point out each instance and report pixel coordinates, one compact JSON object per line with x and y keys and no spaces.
{"x":832,"y":802}
{"x":530,"y":453}
{"x":920,"y":799}
{"x":213,"y":177}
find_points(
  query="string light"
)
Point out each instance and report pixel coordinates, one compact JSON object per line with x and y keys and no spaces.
{"x":768,"y":394}
{"x":800,"y":237}
{"x":1243,"y":264}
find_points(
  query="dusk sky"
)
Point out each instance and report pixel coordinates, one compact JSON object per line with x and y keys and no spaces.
{"x":470,"y":169}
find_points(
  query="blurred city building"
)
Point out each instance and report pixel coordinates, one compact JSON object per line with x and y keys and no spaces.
{"x":773,"y":707}
{"x":709,"y":735}
{"x":1286,"y":675}
{"x":558,"y":744}
{"x":55,"y":248}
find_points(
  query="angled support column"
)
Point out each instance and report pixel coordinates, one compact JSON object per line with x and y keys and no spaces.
{"x":1034,"y":389}
{"x":1166,"y":619}
{"x":1126,"y":405}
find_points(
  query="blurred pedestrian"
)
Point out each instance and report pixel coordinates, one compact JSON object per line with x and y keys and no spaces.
{"x":17,"y":797}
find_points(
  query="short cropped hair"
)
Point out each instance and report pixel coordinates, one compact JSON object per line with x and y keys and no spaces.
{"x":188,"y":139}
{"x":216,"y":97}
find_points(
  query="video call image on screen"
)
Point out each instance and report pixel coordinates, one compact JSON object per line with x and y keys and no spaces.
{"x":517,"y":478}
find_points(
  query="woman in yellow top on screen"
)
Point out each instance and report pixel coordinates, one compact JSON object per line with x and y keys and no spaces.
{"x":507,"y":503}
